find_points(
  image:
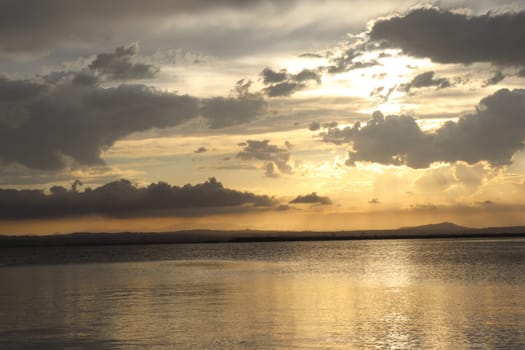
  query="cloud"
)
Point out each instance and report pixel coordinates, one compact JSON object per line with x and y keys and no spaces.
{"x":286,"y":88}
{"x":80,"y":122}
{"x":426,"y":79}
{"x":451,"y":37}
{"x":269,"y":170}
{"x":311,"y":198}
{"x":201,"y":149}
{"x":313,"y":126}
{"x":270,"y":76}
{"x":275,"y":157}
{"x":310,"y":55}
{"x":117,"y":65}
{"x":306,"y":75}
{"x":492,"y":133}
{"x":222,"y":112}
{"x":452,"y":181}
{"x":229,"y":167}
{"x":123,"y":199}
{"x":384,"y":93}
{"x":35,"y":25}
{"x":282,"y":83}
{"x":331,"y":124}
{"x":13,"y":91}
{"x":113,"y":66}
{"x":339,"y":136}
{"x":346,"y":63}
{"x":85,"y":79}
{"x":47,"y":127}
{"x":496,"y":78}
{"x":228,"y":111}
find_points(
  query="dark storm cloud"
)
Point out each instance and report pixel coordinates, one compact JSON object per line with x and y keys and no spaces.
{"x":13,"y":91}
{"x":448,"y":37}
{"x":79,"y":123}
{"x":312,"y":198}
{"x":426,"y":79}
{"x":117,"y":65}
{"x":275,"y":157}
{"x":493,"y":133}
{"x":123,"y":199}
{"x":48,"y":127}
{"x":35,"y":25}
{"x":282,"y":83}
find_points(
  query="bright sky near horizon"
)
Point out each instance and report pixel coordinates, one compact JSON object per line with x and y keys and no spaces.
{"x":293,"y":115}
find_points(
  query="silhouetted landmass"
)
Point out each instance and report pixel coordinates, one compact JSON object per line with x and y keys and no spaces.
{"x":442,"y":226}
{"x":441,"y":230}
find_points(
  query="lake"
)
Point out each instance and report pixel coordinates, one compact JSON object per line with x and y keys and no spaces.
{"x":391,"y":294}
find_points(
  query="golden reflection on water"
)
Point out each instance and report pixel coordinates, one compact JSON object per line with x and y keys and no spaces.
{"x":391,"y":299}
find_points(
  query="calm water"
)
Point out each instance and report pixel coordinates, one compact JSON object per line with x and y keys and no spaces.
{"x":447,"y":294}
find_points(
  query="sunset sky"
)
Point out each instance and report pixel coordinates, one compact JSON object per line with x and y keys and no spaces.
{"x":289,"y":115}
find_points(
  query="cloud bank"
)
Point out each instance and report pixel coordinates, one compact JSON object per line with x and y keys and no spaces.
{"x":47,"y":127}
{"x":493,"y":133}
{"x":449,"y":37}
{"x":123,"y":199}
{"x":35,"y":25}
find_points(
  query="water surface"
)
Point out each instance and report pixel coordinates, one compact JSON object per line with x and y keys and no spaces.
{"x":434,"y":293}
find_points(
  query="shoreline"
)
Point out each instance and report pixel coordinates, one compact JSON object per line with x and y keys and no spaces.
{"x":214,"y":237}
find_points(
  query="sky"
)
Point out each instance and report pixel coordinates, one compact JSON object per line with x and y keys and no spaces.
{"x":284,"y":115}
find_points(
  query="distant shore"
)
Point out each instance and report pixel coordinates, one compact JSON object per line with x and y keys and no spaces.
{"x":442,"y":230}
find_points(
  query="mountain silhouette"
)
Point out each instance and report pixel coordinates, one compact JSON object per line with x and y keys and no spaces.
{"x":442,"y":226}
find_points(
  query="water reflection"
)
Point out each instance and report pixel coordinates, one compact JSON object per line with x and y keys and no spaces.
{"x":310,"y":295}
